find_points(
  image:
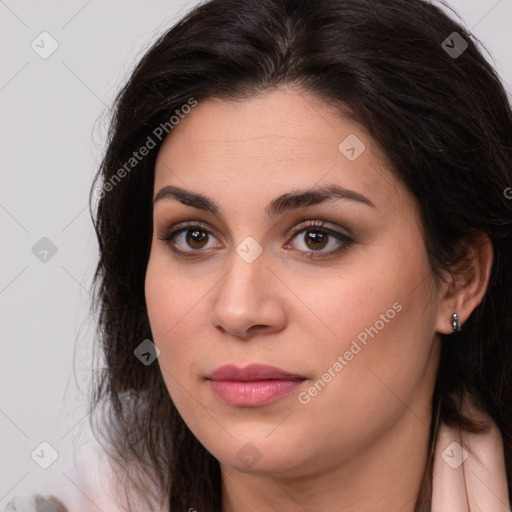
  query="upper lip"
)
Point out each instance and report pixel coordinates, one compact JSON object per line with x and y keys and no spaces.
{"x":253,"y":372}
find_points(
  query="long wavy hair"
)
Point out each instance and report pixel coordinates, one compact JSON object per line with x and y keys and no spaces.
{"x":442,"y":119}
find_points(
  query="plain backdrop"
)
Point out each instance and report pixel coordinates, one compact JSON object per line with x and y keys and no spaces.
{"x":53,"y":118}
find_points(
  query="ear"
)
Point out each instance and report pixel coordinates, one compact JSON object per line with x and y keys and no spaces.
{"x":466,"y":283}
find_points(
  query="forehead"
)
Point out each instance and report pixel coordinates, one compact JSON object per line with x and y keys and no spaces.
{"x":268,"y":124}
{"x":278,"y":139}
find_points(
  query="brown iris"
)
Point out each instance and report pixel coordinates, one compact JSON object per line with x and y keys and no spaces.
{"x":318,"y":238}
{"x":196,"y":236}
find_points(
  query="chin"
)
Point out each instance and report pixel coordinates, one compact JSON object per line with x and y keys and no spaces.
{"x":259,"y":456}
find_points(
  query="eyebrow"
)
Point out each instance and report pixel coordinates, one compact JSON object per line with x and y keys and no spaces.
{"x":290,"y":201}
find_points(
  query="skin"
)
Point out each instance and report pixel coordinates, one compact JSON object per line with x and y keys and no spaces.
{"x":361,"y":442}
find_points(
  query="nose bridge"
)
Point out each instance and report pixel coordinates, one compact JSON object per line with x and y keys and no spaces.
{"x":245,"y":298}
{"x":243,"y":283}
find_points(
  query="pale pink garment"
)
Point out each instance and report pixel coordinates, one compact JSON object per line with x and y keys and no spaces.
{"x":469,"y":469}
{"x":462,"y":481}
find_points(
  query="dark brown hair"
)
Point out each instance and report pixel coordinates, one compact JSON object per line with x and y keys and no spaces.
{"x":444,"y":122}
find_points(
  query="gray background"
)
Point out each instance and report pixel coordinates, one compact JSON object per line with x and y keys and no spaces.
{"x":53,"y":124}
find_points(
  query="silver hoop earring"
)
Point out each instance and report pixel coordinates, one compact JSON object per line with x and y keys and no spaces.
{"x":455,"y":323}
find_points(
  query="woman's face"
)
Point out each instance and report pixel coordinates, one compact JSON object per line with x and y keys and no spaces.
{"x":346,"y":311}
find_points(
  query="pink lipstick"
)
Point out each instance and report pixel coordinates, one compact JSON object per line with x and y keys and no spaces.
{"x":252,"y":386}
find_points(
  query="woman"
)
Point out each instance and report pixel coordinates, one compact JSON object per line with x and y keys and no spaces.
{"x":303,"y":289}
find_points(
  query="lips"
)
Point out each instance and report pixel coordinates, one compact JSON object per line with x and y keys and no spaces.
{"x":252,"y":386}
{"x":253,"y":372}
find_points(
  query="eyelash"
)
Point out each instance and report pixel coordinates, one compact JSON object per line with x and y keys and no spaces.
{"x":319,"y":226}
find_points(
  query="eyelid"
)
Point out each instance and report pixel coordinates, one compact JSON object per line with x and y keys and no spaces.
{"x":321,"y":225}
{"x":173,"y":229}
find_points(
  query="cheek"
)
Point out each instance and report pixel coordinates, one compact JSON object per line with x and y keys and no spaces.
{"x":375,"y":366}
{"x":374,"y":294}
{"x":174,"y":311}
{"x":169,"y":296}
{"x":386,"y":377}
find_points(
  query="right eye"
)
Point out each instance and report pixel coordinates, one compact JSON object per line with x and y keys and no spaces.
{"x":192,"y":237}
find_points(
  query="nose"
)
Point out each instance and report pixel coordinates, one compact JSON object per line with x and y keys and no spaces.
{"x":248,"y":300}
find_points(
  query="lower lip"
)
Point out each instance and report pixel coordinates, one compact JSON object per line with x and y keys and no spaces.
{"x":254,"y":393}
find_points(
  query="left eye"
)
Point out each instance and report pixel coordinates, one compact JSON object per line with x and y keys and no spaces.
{"x":316,"y":239}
